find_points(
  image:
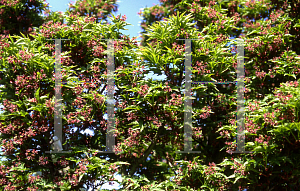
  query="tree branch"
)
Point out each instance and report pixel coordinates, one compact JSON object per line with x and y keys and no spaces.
{"x":146,"y":154}
{"x":180,"y":77}
{"x":103,"y":89}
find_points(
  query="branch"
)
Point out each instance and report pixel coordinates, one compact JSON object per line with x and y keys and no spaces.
{"x":146,"y":154}
{"x":180,"y":78}
{"x":103,"y":89}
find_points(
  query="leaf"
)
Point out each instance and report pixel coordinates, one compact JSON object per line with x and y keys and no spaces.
{"x":133,"y":123}
{"x":231,"y":176}
{"x":293,"y":75}
{"x":43,"y":97}
{"x":81,"y":118}
{"x":37,"y":95}
{"x":255,"y":31}
{"x":253,"y":161}
{"x":97,"y":60}
{"x":132,"y":107}
{"x":141,"y":126}
{"x":259,"y":149}
{"x":121,"y":162}
{"x":87,"y":30}
{"x":226,"y":162}
{"x":236,"y":179}
{"x":80,"y":177}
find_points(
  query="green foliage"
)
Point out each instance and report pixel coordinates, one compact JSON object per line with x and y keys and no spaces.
{"x":150,"y":114}
{"x":39,"y":71}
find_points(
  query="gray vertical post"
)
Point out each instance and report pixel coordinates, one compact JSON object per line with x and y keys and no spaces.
{"x":188,"y":102}
{"x":58,"y":101}
{"x":58,"y":77}
{"x":240,"y":98}
{"x":188,"y":141}
{"x":110,"y":139}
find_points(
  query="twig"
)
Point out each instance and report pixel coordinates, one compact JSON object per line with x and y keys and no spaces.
{"x":147,"y":152}
{"x":103,"y":89}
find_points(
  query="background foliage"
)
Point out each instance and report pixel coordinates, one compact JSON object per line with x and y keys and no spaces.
{"x":149,"y":119}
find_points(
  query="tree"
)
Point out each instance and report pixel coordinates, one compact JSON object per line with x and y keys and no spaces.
{"x":19,"y":61}
{"x":21,"y":16}
{"x":261,"y":54}
{"x":150,"y":115}
{"x":99,"y":9}
{"x":26,"y":156}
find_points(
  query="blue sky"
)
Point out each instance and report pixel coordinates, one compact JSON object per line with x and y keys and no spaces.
{"x":130,"y":8}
